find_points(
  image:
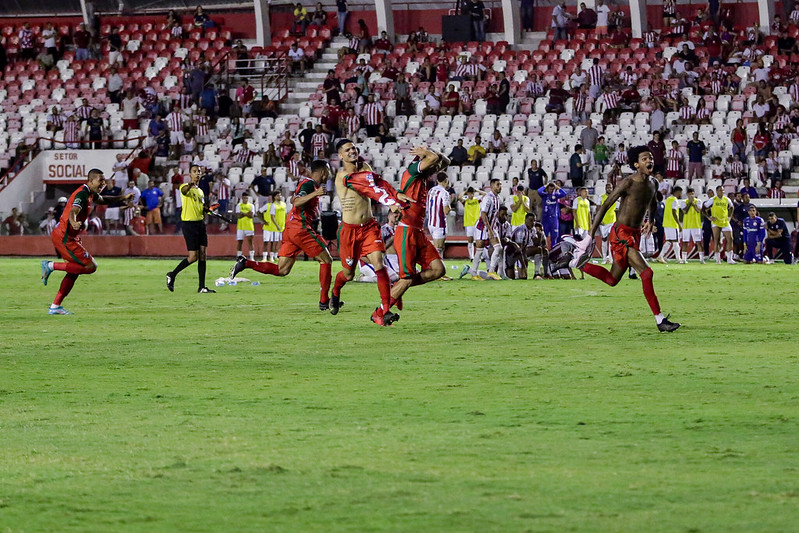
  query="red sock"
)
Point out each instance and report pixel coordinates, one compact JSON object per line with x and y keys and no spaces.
{"x":341,"y":280}
{"x":324,"y":282}
{"x":66,"y":285}
{"x":384,"y":286}
{"x":263,"y":268}
{"x":72,"y":268}
{"x":649,"y":291}
{"x":599,"y":273}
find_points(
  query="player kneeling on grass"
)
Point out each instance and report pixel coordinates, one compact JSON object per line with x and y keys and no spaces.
{"x":637,"y":195}
{"x":299,"y":235}
{"x":65,"y":238}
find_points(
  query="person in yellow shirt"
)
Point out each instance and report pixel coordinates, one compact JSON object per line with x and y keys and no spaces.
{"x":476,"y":152}
{"x":245,"y":227}
{"x":718,"y":210}
{"x":671,"y":225}
{"x":582,"y":213}
{"x":607,"y":224}
{"x":471,"y":212}
{"x":192,"y":214}
{"x":692,"y":226}
{"x":300,"y":18}
{"x":274,"y":215}
{"x":520,"y":207}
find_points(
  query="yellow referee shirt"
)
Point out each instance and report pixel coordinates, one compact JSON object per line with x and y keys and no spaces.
{"x":193,"y":203}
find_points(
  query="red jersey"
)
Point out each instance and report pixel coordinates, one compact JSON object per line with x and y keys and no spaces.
{"x":309,"y":211}
{"x":414,"y":185}
{"x":370,"y":184}
{"x":82,"y":197}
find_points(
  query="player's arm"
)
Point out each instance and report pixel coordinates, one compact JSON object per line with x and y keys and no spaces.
{"x":307,"y":193}
{"x":676,"y":214}
{"x":649,"y":218}
{"x":517,"y":204}
{"x":610,"y":201}
{"x":427,"y":158}
{"x":105,"y":200}
{"x":73,"y":217}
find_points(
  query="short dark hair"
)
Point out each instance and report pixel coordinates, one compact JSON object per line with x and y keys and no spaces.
{"x":94,"y":172}
{"x":342,"y":142}
{"x":690,"y":189}
{"x":633,"y":153}
{"x":503,"y":208}
{"x":772,"y":214}
{"x":441,"y":177}
{"x":470,"y":189}
{"x":529,"y":215}
{"x":578,"y":147}
{"x":492,"y":180}
{"x":677,"y":189}
{"x":520,"y":188}
{"x":319,"y":164}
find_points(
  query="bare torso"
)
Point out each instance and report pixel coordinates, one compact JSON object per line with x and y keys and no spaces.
{"x":355,"y":209}
{"x":636,"y":198}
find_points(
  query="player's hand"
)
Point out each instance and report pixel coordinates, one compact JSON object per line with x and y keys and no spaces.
{"x":129,"y":196}
{"x":419,"y":151}
{"x":647,"y":228}
{"x":405,"y":198}
{"x":712,"y":219}
{"x":319,"y":192}
{"x":396,"y":208}
{"x":75,"y":224}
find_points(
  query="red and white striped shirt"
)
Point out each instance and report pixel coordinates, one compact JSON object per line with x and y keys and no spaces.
{"x":373,"y":113}
{"x":793,"y":90}
{"x":294,"y":167}
{"x":353,"y":125}
{"x":490,"y":206}
{"x":466,"y":99}
{"x":185,"y":100}
{"x":244,"y":155}
{"x":354,"y":42}
{"x":223,"y":190}
{"x":795,"y":16}
{"x":84,"y":111}
{"x":174,"y":121}
{"x":776,"y":193}
{"x":595,"y":75}
{"x":534,"y":88}
{"x":319,"y":142}
{"x":71,"y":131}
{"x":611,"y":100}
{"x":736,"y":169}
{"x":25,"y":38}
{"x":201,"y":123}
{"x":649,"y":38}
{"x":464,"y":70}
{"x":579,"y":102}
{"x":56,"y":120}
{"x":687,"y":112}
{"x":620,"y":157}
{"x":780,"y":121}
{"x":437,"y":199}
{"x":716,"y":86}
{"x":629,"y":78}
{"x":673,"y":160}
{"x":703,"y":113}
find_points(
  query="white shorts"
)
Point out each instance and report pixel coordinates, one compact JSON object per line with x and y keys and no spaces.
{"x":693,"y":234}
{"x":671,"y":234}
{"x":368,"y":274}
{"x":482,"y":234}
{"x":647,"y":247}
{"x":580,"y":232}
{"x":604,"y":230}
{"x":726,"y":229}
{"x":273,"y":236}
{"x":241,"y":233}
{"x":437,"y":233}
{"x":176,"y":137}
{"x":112,"y":213}
{"x":161,"y":161}
{"x":469,"y":231}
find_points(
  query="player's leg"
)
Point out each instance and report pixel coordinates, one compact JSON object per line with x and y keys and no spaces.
{"x":78,"y":262}
{"x":383,"y":282}
{"x":696,"y":237}
{"x":201,"y":265}
{"x":496,"y":257}
{"x":638,"y":262}
{"x":728,"y":243}
{"x":191,"y":234}
{"x":478,"y":253}
{"x":470,"y":244}
{"x":717,"y":243}
{"x":239,"y":241}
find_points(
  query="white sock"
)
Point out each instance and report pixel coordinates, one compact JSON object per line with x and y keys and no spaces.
{"x":659,"y":318}
{"x":501,"y":269}
{"x":605,"y":249}
{"x":685,"y":257}
{"x":252,"y":255}
{"x":495,"y":256}
{"x":701,"y":255}
{"x":53,"y":306}
{"x":470,"y":247}
{"x":537,"y":263}
{"x":264,"y":255}
{"x":484,"y":256}
{"x":51,"y":265}
{"x":478,"y":255}
{"x":238,"y":253}
{"x":665,"y":251}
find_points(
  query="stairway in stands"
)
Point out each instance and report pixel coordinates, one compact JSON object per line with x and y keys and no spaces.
{"x":300,"y":89}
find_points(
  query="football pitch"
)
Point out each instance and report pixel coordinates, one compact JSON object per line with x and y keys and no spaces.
{"x":490,"y":406}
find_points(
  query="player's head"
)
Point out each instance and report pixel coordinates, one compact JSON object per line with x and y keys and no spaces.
{"x":677,"y":191}
{"x":276,"y":196}
{"x":320,"y":171}
{"x":550,"y":187}
{"x":752,"y":211}
{"x":583,"y":192}
{"x":690,"y":192}
{"x":95,"y":180}
{"x":719,"y":191}
{"x":470,"y":192}
{"x":393,"y":217}
{"x":195,"y":173}
{"x":347,"y":151}
{"x":502,"y":214}
{"x":496,"y":186}
{"x":442,"y":163}
{"x":245,"y":197}
{"x":120,"y":157}
{"x":640,"y":159}
{"x":608,"y":188}
{"x":442,"y":179}
{"x":772,"y":217}
{"x":529,"y":220}
{"x":519,"y":188}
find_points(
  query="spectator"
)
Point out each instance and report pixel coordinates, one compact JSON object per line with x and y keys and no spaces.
{"x":156,"y":126}
{"x":153,"y":199}
{"x":50,"y":35}
{"x":320,"y":141}
{"x":776,"y":191}
{"x":534,"y":87}
{"x":81,"y":38}
{"x":96,"y":127}
{"x":341,"y":13}
{"x":162,"y":148}
{"x":208,"y":100}
{"x":459,"y":156}
{"x":373,"y":115}
{"x":189,"y":145}
{"x":196,"y":81}
{"x":114,"y":87}
{"x":581,"y":108}
{"x":55,"y":121}
{"x":503,"y":92}
{"x":786,"y":44}
{"x":451,"y":101}
{"x":115,"y":46}
{"x":27,"y":42}
{"x":287,"y":147}
{"x":466,"y":101}
{"x":716,"y":169}
{"x":497,"y":144}
{"x":528,"y":14}
{"x":602,"y":19}
{"x":747,"y":189}
{"x":586,"y":18}
{"x":576,"y":170}
{"x":48,"y":223}
{"x":738,"y":139}
{"x":403,"y":95}
{"x":13,"y":223}
{"x":761,"y":142}
{"x":364,"y":37}
{"x":297,"y":57}
{"x":301,"y":19}
{"x":658,"y":149}
{"x":476,"y":152}
{"x":674,"y":161}
{"x":560,"y":20}
{"x":432,"y":101}
{"x":476,"y":10}
{"x":557,"y":99}
{"x":383,"y":44}
{"x":332,"y":88}
{"x":72,"y":134}
{"x":319,"y":16}
{"x":778,"y":237}
{"x":589,"y":136}
{"x":201,"y":19}
{"x":696,"y":150}
{"x":595,"y":80}
{"x":352,"y":124}
{"x":172,"y":17}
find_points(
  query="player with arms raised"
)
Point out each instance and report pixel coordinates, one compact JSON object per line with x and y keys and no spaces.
{"x":637,"y":196}
{"x":412,"y":245}
{"x":299,"y":235}
{"x":65,"y":238}
{"x":359,"y":234}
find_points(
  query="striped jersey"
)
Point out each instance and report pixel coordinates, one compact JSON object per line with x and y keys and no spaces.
{"x":174,"y":121}
{"x":437,"y":199}
{"x":319,"y":142}
{"x":490,"y":206}
{"x":201,"y":123}
{"x":523,"y":236}
{"x":223,"y":190}
{"x":611,"y":99}
{"x":373,"y":113}
{"x":71,"y":131}
{"x":595,"y":75}
{"x":353,"y":125}
{"x":674,"y":159}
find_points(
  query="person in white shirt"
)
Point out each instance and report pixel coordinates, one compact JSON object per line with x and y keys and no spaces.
{"x":432,"y":103}
{"x":297,"y":56}
{"x":120,"y":169}
{"x":602,"y":15}
{"x":49,"y":35}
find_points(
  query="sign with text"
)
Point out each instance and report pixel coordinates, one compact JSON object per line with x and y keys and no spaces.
{"x":72,"y":166}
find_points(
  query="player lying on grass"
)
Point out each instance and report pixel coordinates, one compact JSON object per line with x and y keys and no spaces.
{"x":65,"y":238}
{"x":637,"y":195}
{"x":299,"y":235}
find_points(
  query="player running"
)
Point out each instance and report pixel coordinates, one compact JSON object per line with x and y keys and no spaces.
{"x":65,"y":238}
{"x":412,"y":246}
{"x":487,"y":231}
{"x":637,"y":195}
{"x":359,"y":234}
{"x":299,"y":235}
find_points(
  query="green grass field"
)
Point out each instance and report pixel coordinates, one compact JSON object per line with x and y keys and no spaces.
{"x":495,"y":406}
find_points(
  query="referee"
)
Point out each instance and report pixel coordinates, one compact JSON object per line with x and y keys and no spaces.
{"x":192,"y":215}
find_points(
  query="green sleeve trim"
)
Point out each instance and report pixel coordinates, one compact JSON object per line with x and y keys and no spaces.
{"x":306,"y":188}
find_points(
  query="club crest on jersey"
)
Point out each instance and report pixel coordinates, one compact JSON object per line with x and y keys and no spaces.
{"x":348,"y":261}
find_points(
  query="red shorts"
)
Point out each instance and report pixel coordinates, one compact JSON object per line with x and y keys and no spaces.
{"x":297,"y":238}
{"x":358,"y":240}
{"x":413,"y":248}
{"x":71,"y":249}
{"x":622,"y":238}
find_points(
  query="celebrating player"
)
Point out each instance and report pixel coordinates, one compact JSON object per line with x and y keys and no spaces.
{"x":487,"y":231}
{"x":638,"y":196}
{"x":359,"y":233}
{"x":299,"y":235}
{"x":65,"y":238}
{"x":410,"y":242}
{"x":192,"y":215}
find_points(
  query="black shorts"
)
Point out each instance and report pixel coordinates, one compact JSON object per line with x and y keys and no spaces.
{"x":194,"y":234}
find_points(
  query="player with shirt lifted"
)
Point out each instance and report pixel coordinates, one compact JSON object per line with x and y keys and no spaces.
{"x":299,"y":235}
{"x":412,"y":245}
{"x":637,"y":195}
{"x":77,"y":260}
{"x":359,"y":234}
